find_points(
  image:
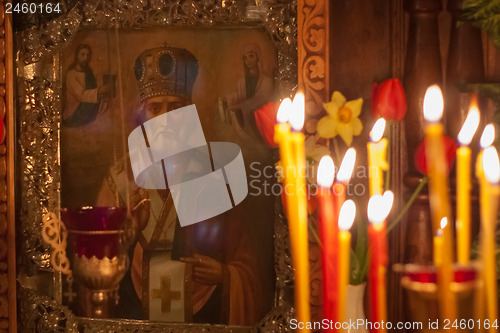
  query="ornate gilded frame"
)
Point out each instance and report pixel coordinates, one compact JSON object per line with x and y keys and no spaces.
{"x":8,"y":307}
{"x":37,"y":167}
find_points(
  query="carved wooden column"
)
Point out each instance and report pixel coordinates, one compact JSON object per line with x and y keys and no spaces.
{"x":314,"y":81}
{"x":313,"y":42}
{"x":422,"y":69}
{"x":464,"y":65}
{"x":8,"y":311}
{"x":422,"y":66}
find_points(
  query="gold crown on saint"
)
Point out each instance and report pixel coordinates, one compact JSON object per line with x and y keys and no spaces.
{"x":164,"y":71}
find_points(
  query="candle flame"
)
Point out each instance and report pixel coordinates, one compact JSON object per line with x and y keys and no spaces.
{"x":379,"y":207}
{"x":378,"y":130}
{"x":326,"y":172}
{"x":444,"y":222}
{"x":345,"y":171}
{"x":346,"y":215}
{"x":433,"y":104}
{"x":388,"y":197}
{"x":491,"y":164}
{"x":488,"y":136}
{"x":284,"y":111}
{"x":469,"y":127}
{"x":298,"y":112}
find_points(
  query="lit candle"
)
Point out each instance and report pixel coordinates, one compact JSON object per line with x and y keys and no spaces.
{"x":487,"y":139}
{"x":292,"y":155}
{"x":298,"y":233}
{"x":377,"y":162}
{"x":346,"y":219}
{"x":447,"y":303}
{"x":438,"y":186}
{"x":282,"y":134}
{"x":491,"y":165}
{"x":438,"y":248}
{"x":463,"y":185}
{"x":339,"y":195}
{"x":329,"y":239}
{"x":282,"y":137}
{"x":378,"y":209}
{"x":436,"y":162}
{"x":343,"y":178}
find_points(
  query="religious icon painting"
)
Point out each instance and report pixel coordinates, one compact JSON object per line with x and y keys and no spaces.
{"x":219,"y":270}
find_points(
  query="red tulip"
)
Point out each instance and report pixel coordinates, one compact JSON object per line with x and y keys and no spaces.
{"x":450,"y":148}
{"x":265,"y":118}
{"x":388,"y":100}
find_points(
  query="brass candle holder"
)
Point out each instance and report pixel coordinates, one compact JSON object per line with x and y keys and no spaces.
{"x":420,"y":284}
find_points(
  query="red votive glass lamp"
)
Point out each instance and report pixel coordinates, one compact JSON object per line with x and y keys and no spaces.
{"x":99,"y":239}
{"x":95,"y":231}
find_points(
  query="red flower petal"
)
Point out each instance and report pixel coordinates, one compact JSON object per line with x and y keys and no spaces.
{"x":265,"y":118}
{"x":450,"y":148}
{"x":389,"y":100}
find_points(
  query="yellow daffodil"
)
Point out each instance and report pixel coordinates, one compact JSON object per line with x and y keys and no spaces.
{"x":342,"y":118}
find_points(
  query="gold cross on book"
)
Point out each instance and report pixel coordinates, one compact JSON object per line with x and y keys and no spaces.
{"x":165,"y":294}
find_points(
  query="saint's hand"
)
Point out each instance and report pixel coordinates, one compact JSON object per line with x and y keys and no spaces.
{"x":103,"y":90}
{"x":206,"y":270}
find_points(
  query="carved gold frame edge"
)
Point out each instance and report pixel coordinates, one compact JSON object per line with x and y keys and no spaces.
{"x":42,"y":313}
{"x":8,"y":304}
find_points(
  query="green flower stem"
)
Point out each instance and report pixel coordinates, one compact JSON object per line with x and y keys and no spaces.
{"x":364,"y":267}
{"x":408,"y":204}
{"x":315,"y":235}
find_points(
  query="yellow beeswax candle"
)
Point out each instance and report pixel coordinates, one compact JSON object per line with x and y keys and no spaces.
{"x":447,"y":299}
{"x":464,"y":185}
{"x":292,"y":155}
{"x":346,"y":219}
{"x":487,"y":139}
{"x":438,"y":191}
{"x":377,"y":162}
{"x":298,"y":230}
{"x":282,"y":137}
{"x":282,"y":134}
{"x":489,"y":206}
{"x":438,"y":248}
{"x":435,"y":156}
